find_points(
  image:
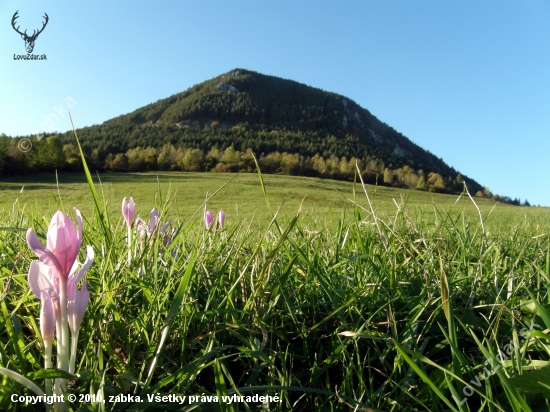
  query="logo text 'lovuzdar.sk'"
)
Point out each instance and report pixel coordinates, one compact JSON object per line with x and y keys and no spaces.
{"x":30,"y":57}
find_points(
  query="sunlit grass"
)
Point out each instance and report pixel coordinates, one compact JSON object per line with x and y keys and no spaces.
{"x":243,"y":198}
{"x":322,"y":305}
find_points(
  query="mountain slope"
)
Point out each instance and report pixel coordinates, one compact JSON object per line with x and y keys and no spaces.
{"x":245,"y":109}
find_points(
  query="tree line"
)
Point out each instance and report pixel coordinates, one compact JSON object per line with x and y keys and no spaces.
{"x":49,"y":154}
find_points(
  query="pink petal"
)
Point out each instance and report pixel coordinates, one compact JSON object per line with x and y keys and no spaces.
{"x":43,"y":254}
{"x":208,"y":218}
{"x":47,"y":318}
{"x":83,"y":300}
{"x":165,"y":226}
{"x":153,"y":219}
{"x":79,"y":232}
{"x":76,"y":308}
{"x":125,"y":209}
{"x":41,"y":279}
{"x":71,"y":291}
{"x":140,"y":225}
{"x":64,"y":240}
{"x":51,"y":238}
{"x":73,"y":268}
{"x":128,"y":211}
{"x":87,"y":263}
{"x":221,"y":218}
{"x":132,"y":210}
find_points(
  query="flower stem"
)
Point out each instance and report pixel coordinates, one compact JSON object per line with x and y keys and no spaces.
{"x":129,"y":245}
{"x":47,"y":365}
{"x":64,"y":330}
{"x":58,"y":333}
{"x":74,"y":343}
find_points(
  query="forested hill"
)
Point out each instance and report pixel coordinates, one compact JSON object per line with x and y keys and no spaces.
{"x":266,"y":114}
{"x":291,"y":127}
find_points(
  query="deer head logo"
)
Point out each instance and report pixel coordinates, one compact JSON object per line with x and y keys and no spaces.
{"x":29,"y":40}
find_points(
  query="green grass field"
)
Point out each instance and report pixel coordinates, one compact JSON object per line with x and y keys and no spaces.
{"x":332,"y":308}
{"x":242,"y":198}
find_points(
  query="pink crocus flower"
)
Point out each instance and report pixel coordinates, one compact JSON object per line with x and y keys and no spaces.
{"x":63,"y":243}
{"x":221,"y":218}
{"x":44,"y":284}
{"x":54,"y":279}
{"x":128,"y":211}
{"x":144,"y":229}
{"x":208,"y":219}
{"x":149,"y":231}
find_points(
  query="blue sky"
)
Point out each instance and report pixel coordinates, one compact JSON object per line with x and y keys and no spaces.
{"x":467,"y":80}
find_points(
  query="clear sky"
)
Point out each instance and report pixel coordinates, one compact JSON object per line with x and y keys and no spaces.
{"x":467,"y":80}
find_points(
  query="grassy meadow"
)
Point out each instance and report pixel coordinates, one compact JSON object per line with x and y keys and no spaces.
{"x":243,"y":198}
{"x":411,"y":305}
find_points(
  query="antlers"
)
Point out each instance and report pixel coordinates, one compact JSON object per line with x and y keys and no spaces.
{"x":34,"y":34}
{"x":15,"y":16}
{"x":43,"y":26}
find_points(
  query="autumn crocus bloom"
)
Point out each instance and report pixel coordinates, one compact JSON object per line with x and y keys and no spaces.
{"x":44,"y":284}
{"x":221,"y":218}
{"x":63,"y":243}
{"x":152,"y":229}
{"x":208,"y":218}
{"x":128,"y":211}
{"x":56,"y":271}
{"x":144,"y":229}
